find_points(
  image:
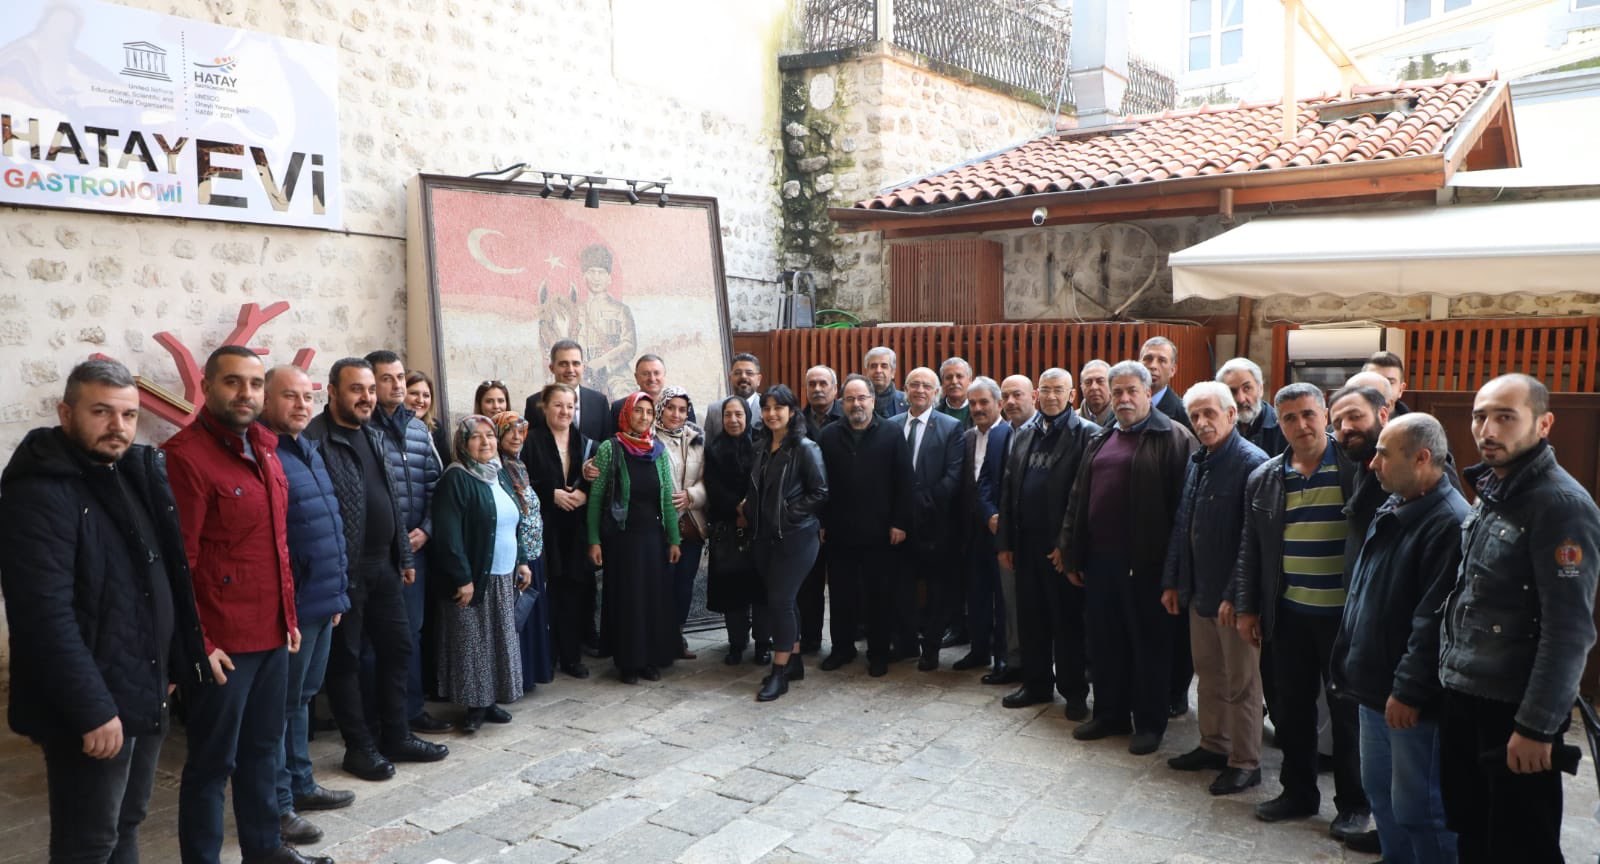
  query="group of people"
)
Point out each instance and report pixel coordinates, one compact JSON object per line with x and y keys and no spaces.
{"x":1110,"y":537}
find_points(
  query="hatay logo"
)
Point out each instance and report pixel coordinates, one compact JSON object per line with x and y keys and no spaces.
{"x":217,"y":73}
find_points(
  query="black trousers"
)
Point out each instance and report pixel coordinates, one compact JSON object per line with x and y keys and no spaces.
{"x":1499,"y":816}
{"x":97,"y":805}
{"x":783,"y":565}
{"x":929,"y":570}
{"x":1130,"y":643}
{"x":861,"y":581}
{"x":1050,"y":626}
{"x":377,"y":614}
{"x":1302,"y":651}
{"x":810,"y":604}
{"x":986,"y":608}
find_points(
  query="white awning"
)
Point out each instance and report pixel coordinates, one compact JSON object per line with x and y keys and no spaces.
{"x":1533,"y":247}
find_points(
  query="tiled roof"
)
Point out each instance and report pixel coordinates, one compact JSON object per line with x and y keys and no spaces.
{"x":1202,"y":141}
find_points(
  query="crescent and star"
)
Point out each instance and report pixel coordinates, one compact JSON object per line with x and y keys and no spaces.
{"x":474,"y":239}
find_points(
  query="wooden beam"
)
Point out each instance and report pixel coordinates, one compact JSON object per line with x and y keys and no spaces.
{"x":1241,"y":327}
{"x":1350,"y":74}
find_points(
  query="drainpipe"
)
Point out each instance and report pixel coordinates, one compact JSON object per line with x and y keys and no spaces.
{"x":1099,"y":66}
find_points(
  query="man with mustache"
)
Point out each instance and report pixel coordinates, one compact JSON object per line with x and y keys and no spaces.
{"x":1199,"y":569}
{"x":232,"y":500}
{"x":380,"y":564}
{"x":1517,"y":628}
{"x":879,"y":365}
{"x":1114,"y":544}
{"x":318,"y":558}
{"x":1017,"y":409}
{"x":979,"y":514}
{"x":101,"y":609}
{"x":1096,"y":393}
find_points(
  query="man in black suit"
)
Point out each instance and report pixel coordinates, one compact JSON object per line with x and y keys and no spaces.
{"x":934,"y":440}
{"x":879,"y":366}
{"x":822,"y":403}
{"x":650,"y":374}
{"x":1160,"y":357}
{"x":984,"y":447}
{"x":566,"y":367}
{"x":821,"y":411}
{"x":866,"y":517}
{"x":744,"y":381}
{"x":1041,"y":469}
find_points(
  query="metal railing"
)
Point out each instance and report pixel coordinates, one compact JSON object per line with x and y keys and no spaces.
{"x":1150,"y":89}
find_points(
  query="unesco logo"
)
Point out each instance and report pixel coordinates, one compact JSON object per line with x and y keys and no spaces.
{"x":145,"y":60}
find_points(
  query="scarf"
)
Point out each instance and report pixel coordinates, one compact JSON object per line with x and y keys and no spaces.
{"x":739,"y":450}
{"x":488,"y":472}
{"x":505,"y":423}
{"x":637,"y":446}
{"x":687,"y":430}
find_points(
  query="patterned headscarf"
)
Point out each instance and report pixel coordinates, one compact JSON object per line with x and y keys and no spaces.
{"x":638,"y":446}
{"x":488,"y":472}
{"x":688,"y":429}
{"x":505,"y":423}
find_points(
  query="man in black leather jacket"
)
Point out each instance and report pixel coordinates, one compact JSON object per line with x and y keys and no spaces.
{"x":1516,"y":630}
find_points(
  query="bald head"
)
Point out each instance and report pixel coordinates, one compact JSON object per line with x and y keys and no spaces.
{"x":922,"y":385}
{"x":1017,"y":400}
{"x":1411,"y":455}
{"x":1373,"y":380}
{"x":289,"y":401}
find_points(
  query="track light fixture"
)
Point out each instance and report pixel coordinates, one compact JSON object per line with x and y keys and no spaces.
{"x":632,"y":192}
{"x":591,"y":198}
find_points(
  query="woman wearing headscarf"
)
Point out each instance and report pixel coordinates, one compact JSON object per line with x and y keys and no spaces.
{"x":733,"y":587}
{"x":630,"y":539}
{"x":533,"y":616}
{"x":554,"y":455}
{"x":685,"y":446}
{"x":788,"y":487}
{"x":482,"y":556}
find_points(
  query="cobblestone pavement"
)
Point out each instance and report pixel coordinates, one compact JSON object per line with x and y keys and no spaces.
{"x":912,"y":767}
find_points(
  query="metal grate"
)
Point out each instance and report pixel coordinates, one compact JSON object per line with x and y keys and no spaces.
{"x":834,"y":24}
{"x":1150,"y":89}
{"x":988,"y":38}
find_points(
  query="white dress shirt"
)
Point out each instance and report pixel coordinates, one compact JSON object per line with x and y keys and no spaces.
{"x":921,"y":430}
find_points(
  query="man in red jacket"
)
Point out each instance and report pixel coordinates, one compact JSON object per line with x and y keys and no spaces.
{"x":233,"y":505}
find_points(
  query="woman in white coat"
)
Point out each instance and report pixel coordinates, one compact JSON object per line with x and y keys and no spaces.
{"x":686,"y":448}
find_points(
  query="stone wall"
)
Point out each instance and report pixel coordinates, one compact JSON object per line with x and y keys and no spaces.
{"x":856,"y":122}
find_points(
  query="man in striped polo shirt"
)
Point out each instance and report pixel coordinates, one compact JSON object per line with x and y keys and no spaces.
{"x":1289,"y":588}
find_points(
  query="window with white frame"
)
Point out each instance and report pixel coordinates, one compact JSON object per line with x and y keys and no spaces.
{"x":1413,"y":11}
{"x":1216,"y":33}
{"x":1585,"y":4}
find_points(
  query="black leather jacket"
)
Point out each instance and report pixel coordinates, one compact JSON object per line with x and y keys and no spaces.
{"x":787,"y":488}
{"x":1519,"y":622}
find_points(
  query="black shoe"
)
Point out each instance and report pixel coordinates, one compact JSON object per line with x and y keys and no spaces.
{"x":324,"y":799}
{"x":896,"y":654}
{"x":734,"y":656}
{"x":877,"y":668}
{"x":1101,"y":727}
{"x":1077,"y":711}
{"x":368,"y":764}
{"x":472,"y":721}
{"x":774,"y":685}
{"x":970,"y":661}
{"x":837,"y":659}
{"x":429,"y":724}
{"x":1199,"y":759}
{"x":1366,"y":842}
{"x":650,"y":673}
{"x":415,"y":749}
{"x":496,"y":714}
{"x":1233,"y":780}
{"x":928,"y":662}
{"x":284,"y":855}
{"x":763,"y":654}
{"x":953,"y":637}
{"x":1144,"y":743}
{"x":1287,"y":806}
{"x":1178,"y":709}
{"x":629,"y":677}
{"x":295,"y":829}
{"x":796,"y":670}
{"x":1022,"y":697}
{"x":1001,"y":674}
{"x":576,"y":670}
{"x":1350,"y":823}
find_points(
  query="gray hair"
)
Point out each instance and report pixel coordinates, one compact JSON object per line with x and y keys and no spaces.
{"x":1056,"y":372}
{"x":1159,"y":342}
{"x":1241,"y":364}
{"x":984,"y":382}
{"x":1300,"y":390}
{"x":879,"y":352}
{"x":954,"y":361}
{"x":283,"y":369}
{"x":1209,"y":390}
{"x":106,"y":371}
{"x":828,"y":369}
{"x":1092,"y":364}
{"x":1423,"y":432}
{"x":1129,"y":369}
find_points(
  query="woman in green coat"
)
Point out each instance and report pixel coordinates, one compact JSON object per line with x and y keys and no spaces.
{"x":483,"y":559}
{"x":628,"y":537}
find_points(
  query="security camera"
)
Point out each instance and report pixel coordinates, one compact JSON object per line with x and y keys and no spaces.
{"x":1039,"y":214}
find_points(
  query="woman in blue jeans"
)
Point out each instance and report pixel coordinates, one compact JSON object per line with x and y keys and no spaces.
{"x":686,"y":448}
{"x":788,"y":487}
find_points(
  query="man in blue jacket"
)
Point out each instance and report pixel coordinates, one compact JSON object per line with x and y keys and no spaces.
{"x":317,"y":558}
{"x":1198,"y":573}
{"x":415,"y":466}
{"x":983,"y":462}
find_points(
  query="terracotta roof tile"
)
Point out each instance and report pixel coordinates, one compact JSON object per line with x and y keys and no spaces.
{"x":1209,"y":140}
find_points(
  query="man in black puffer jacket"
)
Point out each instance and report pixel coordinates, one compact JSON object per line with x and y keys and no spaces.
{"x":415,"y":468}
{"x":101,"y":607}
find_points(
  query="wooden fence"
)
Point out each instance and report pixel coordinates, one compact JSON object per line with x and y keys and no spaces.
{"x":995,"y":350}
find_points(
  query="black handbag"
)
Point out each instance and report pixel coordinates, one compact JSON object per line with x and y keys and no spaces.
{"x":730,"y":549}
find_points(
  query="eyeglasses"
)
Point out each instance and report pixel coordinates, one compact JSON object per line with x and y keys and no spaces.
{"x":492,"y":383}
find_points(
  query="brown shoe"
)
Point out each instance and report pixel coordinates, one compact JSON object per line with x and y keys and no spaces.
{"x":685,"y":654}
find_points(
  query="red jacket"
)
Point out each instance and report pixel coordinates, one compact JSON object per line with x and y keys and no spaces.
{"x":234,"y":514}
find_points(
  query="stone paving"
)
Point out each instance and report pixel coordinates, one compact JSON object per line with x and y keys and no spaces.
{"x":912,"y":767}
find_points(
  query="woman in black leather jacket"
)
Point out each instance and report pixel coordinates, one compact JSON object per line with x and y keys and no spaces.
{"x":787,"y":489}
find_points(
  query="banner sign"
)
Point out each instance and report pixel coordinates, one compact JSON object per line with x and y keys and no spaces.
{"x":108,"y":108}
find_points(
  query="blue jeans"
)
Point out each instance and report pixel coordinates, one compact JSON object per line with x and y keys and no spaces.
{"x":306,"y":669}
{"x":235,"y":730}
{"x":1400,"y":771}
